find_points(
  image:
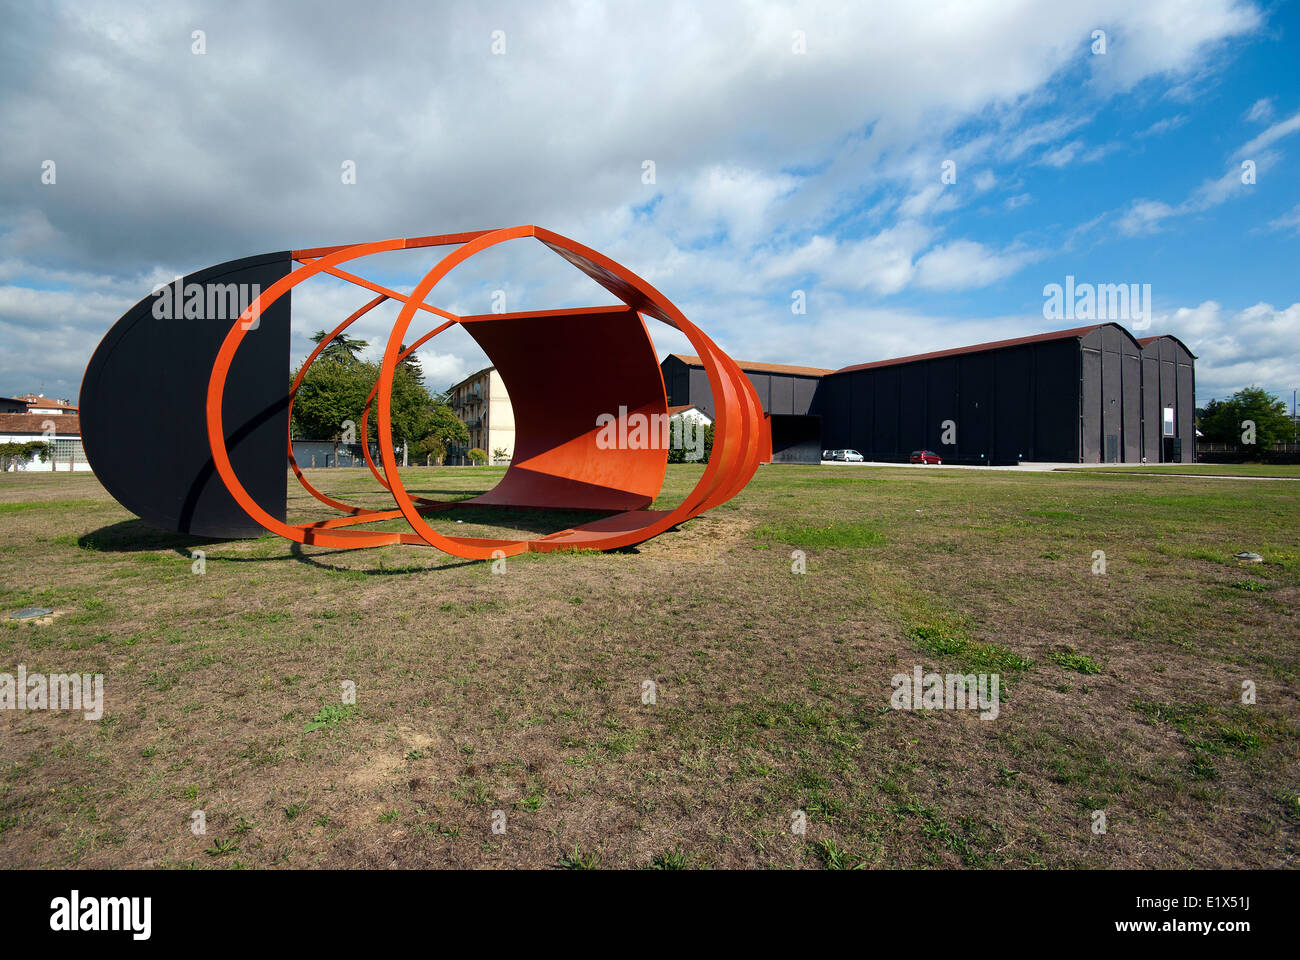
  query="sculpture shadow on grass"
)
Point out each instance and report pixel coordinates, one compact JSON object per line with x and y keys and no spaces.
{"x":139,"y":536}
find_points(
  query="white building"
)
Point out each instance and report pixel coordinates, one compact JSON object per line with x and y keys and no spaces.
{"x":691,"y":412}
{"x":482,"y":404}
{"x":34,"y":418}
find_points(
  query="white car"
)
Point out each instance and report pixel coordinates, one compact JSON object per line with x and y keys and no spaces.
{"x":847,"y":456}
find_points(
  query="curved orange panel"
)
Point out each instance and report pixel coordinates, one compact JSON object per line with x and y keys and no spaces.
{"x":577,"y":381}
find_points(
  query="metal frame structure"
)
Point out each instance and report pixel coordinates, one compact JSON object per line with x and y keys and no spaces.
{"x":558,"y":461}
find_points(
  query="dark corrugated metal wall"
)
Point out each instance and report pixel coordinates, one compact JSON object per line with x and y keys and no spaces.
{"x":1089,"y":400}
{"x":785,"y":394}
{"x":1111,"y":422}
{"x":1006,"y":404}
{"x":1169,"y":381}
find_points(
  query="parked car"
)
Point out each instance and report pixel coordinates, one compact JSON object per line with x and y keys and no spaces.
{"x":826,"y":454}
{"x":925,"y":456}
{"x":846,"y":456}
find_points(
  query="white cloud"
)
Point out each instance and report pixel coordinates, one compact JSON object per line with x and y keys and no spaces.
{"x":768,"y":163}
{"x":1144,"y":216}
{"x":1166,"y":37}
{"x":964,"y":264}
{"x":736,"y":199}
{"x":1163,"y":126}
{"x":1061,"y":156}
{"x":1276,"y":132}
{"x":1049,"y":131}
{"x":1288,"y":221}
{"x":1261,"y":111}
{"x":881,"y":263}
{"x":1259,"y":345}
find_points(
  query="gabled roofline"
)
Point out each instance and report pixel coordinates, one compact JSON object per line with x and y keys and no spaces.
{"x":754,"y":366}
{"x":1167,"y":336}
{"x":1076,"y":333}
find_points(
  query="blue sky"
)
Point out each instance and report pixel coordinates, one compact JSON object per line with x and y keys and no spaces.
{"x":796,"y":147}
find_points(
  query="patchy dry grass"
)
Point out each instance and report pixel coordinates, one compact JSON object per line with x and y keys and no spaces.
{"x":523,"y":692}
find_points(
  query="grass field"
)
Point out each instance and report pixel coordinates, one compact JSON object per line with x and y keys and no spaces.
{"x":522,"y":691}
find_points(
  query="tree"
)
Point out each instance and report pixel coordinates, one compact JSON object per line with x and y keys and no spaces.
{"x":447,"y":430}
{"x":412,"y":363}
{"x":477,"y":456}
{"x":343,"y":348}
{"x":334,"y":392}
{"x":18,"y":454}
{"x":1227,"y":421}
{"x":431,"y":448}
{"x":685,"y":442}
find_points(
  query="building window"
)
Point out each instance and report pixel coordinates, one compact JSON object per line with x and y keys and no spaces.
{"x":67,"y":449}
{"x":1169,"y":422}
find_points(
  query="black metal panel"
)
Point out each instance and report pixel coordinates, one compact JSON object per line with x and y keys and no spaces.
{"x":1131,"y":414}
{"x":864,"y":411}
{"x":912,"y":408}
{"x":834,"y":405}
{"x":1151,"y":407}
{"x":781,"y":398}
{"x":701,"y":394}
{"x":783,"y":393}
{"x":805,"y":388}
{"x":975,"y":407}
{"x":796,"y":439}
{"x":941,"y":404}
{"x":677,"y":382}
{"x":1185,"y":412}
{"x":1111,"y":400}
{"x":1168,"y":394}
{"x":1056,"y":402}
{"x":145,"y":390}
{"x":763,"y":387}
{"x":1114,"y":339}
{"x":884,"y":431}
{"x":1091,"y":400}
{"x":1013,"y":404}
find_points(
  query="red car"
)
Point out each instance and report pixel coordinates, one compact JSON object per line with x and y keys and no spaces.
{"x":925,"y":456}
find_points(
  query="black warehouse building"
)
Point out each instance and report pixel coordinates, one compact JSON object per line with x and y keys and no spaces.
{"x":788,"y":395}
{"x":1091,"y":394}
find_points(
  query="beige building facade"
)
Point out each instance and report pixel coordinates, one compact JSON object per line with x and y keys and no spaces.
{"x":483,"y":405}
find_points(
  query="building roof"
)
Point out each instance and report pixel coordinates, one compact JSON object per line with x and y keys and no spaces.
{"x":470,"y":379}
{"x":1144,"y":341}
{"x":36,"y":400}
{"x":1073,"y":333}
{"x":674,"y":411}
{"x":66,"y":424}
{"x":754,"y":367}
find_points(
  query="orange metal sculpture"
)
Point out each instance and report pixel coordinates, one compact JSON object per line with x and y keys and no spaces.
{"x":558,"y":460}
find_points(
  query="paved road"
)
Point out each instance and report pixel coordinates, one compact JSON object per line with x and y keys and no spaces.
{"x":1035,"y":467}
{"x":1022,"y":468}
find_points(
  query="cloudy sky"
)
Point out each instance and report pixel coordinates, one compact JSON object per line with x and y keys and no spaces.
{"x":795,"y":147}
